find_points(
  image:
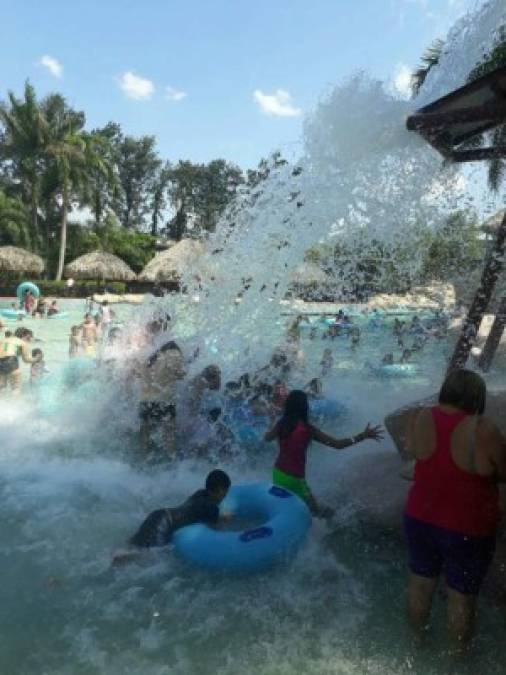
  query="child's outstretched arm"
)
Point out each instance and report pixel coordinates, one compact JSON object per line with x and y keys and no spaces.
{"x":374,"y":433}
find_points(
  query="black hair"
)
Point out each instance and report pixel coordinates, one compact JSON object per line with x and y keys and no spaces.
{"x":296,"y":410}
{"x":232,"y":386}
{"x":164,"y":348}
{"x":465,"y":390}
{"x":36,"y":352}
{"x":214,"y":415}
{"x":217,"y":480}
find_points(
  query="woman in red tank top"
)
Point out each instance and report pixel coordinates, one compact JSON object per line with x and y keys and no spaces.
{"x":294,"y":434}
{"x":452,"y":510}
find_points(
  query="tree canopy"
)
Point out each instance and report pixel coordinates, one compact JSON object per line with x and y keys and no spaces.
{"x":66,"y":190}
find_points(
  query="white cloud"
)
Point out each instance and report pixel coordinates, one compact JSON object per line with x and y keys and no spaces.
{"x":52,"y":64}
{"x":278,"y":104}
{"x":174,"y":95}
{"x":138,"y":88}
{"x":401,"y":81}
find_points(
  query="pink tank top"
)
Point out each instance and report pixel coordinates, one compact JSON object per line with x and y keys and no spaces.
{"x":446,"y":496}
{"x":292,"y":451}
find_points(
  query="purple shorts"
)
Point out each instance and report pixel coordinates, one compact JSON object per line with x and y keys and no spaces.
{"x":464,"y":560}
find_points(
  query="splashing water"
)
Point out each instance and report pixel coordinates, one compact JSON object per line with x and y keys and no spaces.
{"x":71,"y":492}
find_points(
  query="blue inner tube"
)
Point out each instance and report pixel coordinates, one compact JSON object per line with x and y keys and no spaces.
{"x":283,"y":522}
{"x":12,"y":313}
{"x":27,"y":286}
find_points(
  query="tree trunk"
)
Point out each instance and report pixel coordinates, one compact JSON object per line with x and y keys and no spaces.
{"x":494,"y":337}
{"x":491,"y":271}
{"x":63,"y":239}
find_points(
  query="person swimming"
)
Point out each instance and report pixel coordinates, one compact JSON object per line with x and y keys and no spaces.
{"x":38,"y":368}
{"x":74,"y":341}
{"x":327,"y":362}
{"x":89,"y":337}
{"x":159,"y":526}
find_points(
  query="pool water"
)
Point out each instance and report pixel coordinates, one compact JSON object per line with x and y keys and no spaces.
{"x":73,"y":487}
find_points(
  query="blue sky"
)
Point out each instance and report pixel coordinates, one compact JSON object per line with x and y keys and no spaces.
{"x":211,"y":78}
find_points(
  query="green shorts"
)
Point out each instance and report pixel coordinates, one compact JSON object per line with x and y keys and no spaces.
{"x":296,"y":485}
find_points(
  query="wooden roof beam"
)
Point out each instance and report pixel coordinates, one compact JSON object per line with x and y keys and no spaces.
{"x":489,"y":113}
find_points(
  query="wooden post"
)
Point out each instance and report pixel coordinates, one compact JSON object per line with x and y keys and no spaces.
{"x":491,"y":271}
{"x":494,"y":337}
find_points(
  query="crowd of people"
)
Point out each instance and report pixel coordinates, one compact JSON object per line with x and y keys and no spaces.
{"x":452,"y":510}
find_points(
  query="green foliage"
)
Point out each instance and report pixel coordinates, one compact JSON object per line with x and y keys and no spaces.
{"x":429,"y":60}
{"x":79,"y":288}
{"x":454,"y":248}
{"x":200,"y":194}
{"x":138,"y":165}
{"x":15,"y":227}
{"x":135,"y":248}
{"x":49,"y":165}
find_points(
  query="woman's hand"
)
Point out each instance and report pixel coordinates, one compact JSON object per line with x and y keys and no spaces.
{"x":374,"y":433}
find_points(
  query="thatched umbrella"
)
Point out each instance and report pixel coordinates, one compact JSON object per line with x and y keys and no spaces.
{"x":99,"y":265}
{"x":172,"y":264}
{"x":15,"y":260}
{"x":309,"y":274}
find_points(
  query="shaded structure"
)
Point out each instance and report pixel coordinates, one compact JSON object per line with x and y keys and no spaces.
{"x":16,"y":261}
{"x":99,"y":265}
{"x":448,"y":124}
{"x":172,"y":264}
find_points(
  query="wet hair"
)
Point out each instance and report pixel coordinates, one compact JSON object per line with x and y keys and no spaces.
{"x":217,"y":480}
{"x":37,"y":352}
{"x":214,"y":415}
{"x":245,"y":381}
{"x":296,"y":409}
{"x":171,"y":345}
{"x":232,"y":386}
{"x":211,"y":372}
{"x":466,"y":390}
{"x":23,"y":333}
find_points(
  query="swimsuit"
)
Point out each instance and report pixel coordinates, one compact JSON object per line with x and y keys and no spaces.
{"x":451,"y":515}
{"x":159,"y":526}
{"x":8,"y":365}
{"x":290,"y":468}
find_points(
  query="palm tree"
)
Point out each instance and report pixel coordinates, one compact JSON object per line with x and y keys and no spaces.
{"x":429,"y":60}
{"x":67,"y":156}
{"x":23,"y":144}
{"x":14,"y":222}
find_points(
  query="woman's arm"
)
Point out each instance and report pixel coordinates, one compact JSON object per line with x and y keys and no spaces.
{"x":273,"y":433}
{"x":495,"y":445}
{"x":374,"y":433}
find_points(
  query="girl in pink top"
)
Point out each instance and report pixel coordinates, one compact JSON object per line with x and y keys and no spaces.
{"x":294,"y":434}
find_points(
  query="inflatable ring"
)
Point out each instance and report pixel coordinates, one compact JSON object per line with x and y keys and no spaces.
{"x":12,"y":313}
{"x":27,"y":286}
{"x":283,"y":521}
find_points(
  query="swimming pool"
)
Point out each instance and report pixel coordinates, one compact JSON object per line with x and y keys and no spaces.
{"x":73,"y":487}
